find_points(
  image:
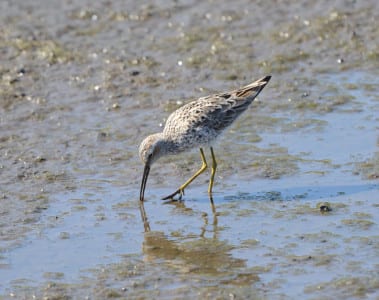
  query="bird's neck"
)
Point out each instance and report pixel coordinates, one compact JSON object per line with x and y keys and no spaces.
{"x":167,"y":145}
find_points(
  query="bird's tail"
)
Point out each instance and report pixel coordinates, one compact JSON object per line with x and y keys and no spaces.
{"x":253,"y":89}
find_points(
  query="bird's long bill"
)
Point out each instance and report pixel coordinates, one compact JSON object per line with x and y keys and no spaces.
{"x":146,"y":171}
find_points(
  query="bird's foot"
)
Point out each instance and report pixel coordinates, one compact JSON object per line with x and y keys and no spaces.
{"x":179,"y":192}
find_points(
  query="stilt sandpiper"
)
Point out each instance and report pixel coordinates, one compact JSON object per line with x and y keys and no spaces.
{"x":197,"y":124}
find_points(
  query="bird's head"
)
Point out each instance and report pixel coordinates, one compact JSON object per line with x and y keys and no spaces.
{"x":151,"y":149}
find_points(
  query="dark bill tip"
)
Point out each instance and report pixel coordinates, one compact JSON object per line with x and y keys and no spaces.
{"x":267,"y":78}
{"x":146,"y":171}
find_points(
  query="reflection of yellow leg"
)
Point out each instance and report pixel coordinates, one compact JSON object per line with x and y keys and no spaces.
{"x":213,"y":172}
{"x":180,"y":190}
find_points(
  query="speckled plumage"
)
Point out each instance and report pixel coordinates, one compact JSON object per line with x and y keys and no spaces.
{"x":197,"y":123}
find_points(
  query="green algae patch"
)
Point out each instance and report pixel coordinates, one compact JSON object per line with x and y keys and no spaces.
{"x":358,"y":223}
{"x":48,"y":50}
{"x":318,"y":260}
{"x":346,"y":287}
{"x":274,"y":167}
{"x":369,"y":168}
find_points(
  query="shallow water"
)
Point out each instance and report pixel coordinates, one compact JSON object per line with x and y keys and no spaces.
{"x":83,"y":83}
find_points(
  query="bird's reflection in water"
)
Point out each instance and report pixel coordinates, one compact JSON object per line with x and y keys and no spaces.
{"x":145,"y":221}
{"x":181,"y":206}
{"x":199,"y":254}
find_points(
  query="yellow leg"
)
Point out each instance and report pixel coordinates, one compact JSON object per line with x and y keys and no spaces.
{"x":213,"y":172}
{"x":201,"y":170}
{"x":180,"y":190}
